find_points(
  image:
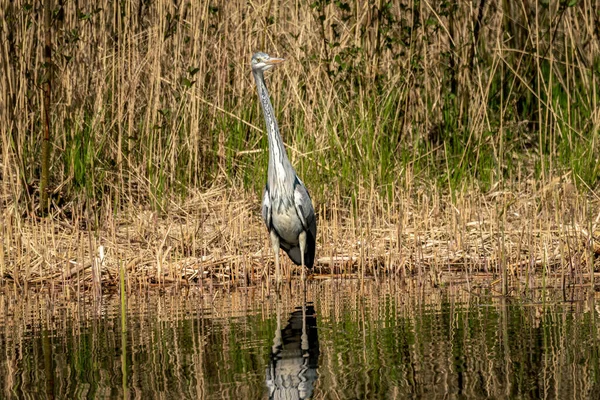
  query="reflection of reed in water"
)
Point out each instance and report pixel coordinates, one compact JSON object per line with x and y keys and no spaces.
{"x":292,"y":372}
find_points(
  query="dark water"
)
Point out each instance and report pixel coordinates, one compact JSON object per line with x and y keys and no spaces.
{"x":343,"y":341}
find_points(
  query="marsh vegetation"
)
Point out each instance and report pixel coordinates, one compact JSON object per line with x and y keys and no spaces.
{"x":433,"y":137}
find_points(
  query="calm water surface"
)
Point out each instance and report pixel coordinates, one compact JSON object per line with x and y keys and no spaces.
{"x":341,"y":340}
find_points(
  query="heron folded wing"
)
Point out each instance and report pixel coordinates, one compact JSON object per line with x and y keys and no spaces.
{"x":266,"y":207}
{"x":304,"y":208}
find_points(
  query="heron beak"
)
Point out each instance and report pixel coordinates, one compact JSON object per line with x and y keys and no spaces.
{"x":274,"y":61}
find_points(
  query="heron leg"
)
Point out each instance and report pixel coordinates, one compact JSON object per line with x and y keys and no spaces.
{"x":275,"y":245}
{"x":302,"y":243}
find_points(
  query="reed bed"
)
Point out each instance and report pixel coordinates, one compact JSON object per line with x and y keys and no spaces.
{"x":433,"y":137}
{"x":217,"y":237}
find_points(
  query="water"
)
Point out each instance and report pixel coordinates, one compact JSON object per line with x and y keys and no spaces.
{"x":345,"y":340}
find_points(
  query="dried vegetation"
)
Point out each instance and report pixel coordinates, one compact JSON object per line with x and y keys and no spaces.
{"x":433,"y":137}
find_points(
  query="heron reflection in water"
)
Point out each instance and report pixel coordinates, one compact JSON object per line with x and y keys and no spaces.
{"x":292,"y":372}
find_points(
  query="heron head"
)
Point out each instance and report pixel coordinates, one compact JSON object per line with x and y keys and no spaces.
{"x":264,"y":62}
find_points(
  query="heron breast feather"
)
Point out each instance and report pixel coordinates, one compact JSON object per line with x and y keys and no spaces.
{"x":287,"y":224}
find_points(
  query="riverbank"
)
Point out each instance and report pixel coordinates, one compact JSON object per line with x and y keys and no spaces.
{"x":218,"y":237}
{"x":432,"y":138}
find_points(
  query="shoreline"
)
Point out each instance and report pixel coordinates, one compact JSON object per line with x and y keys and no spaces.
{"x":218,"y":234}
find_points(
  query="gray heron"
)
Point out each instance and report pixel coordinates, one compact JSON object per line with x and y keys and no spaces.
{"x":286,"y":205}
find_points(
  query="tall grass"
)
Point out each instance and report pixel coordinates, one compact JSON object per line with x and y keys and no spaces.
{"x":153,"y":101}
{"x":153,"y":98}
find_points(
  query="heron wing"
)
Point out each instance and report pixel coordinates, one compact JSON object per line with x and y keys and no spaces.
{"x":306,"y":214}
{"x":304,"y":208}
{"x":266,"y":207}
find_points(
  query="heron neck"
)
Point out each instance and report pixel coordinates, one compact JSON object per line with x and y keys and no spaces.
{"x":279,"y":164}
